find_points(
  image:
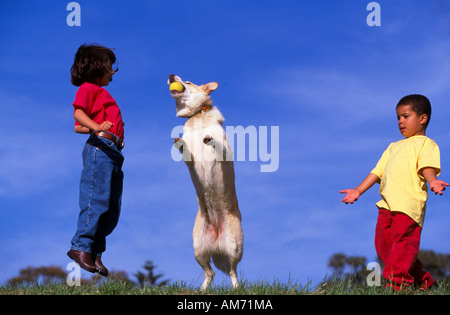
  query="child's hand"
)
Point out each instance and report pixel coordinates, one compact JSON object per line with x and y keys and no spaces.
{"x":438,"y":186}
{"x":104,"y":126}
{"x":352,"y":195}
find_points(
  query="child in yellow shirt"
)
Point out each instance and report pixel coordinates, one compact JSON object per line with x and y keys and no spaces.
{"x":403,"y":172}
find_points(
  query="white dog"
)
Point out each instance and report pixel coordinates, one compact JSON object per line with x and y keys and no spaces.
{"x":217,"y":231}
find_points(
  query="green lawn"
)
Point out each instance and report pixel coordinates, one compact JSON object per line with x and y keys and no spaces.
{"x":246,"y":288}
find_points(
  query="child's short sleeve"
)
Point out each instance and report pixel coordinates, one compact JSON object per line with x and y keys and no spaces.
{"x":85,"y":97}
{"x":379,"y":168}
{"x":429,"y":157}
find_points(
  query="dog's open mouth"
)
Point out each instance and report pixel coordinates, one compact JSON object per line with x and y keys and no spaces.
{"x":175,"y":86}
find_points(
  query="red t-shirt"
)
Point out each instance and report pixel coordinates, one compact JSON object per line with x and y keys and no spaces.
{"x":100,"y":106}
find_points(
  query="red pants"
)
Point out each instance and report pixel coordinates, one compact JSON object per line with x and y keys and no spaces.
{"x":397,"y":240}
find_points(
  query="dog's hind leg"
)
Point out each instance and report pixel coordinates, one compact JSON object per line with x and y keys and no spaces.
{"x":204,"y":261}
{"x":201,"y":250}
{"x":233,"y":276}
{"x":209,"y":275}
{"x":234,"y":246}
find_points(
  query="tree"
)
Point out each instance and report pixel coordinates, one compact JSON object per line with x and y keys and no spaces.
{"x":45,"y":275}
{"x":436,"y":264}
{"x":114,"y":275}
{"x":149,"y":278}
{"x":41,"y":275}
{"x":353,"y":268}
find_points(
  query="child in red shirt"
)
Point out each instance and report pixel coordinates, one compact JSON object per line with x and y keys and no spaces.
{"x":97,"y":113}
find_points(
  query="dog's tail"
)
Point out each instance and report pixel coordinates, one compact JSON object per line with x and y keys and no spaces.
{"x":222,"y":262}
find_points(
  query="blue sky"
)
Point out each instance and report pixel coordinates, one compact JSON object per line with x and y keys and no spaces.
{"x":315,"y":69}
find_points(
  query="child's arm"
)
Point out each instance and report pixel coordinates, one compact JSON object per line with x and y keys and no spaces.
{"x":436,"y":185}
{"x":353,"y":194}
{"x":82,"y":129}
{"x":88,"y":124}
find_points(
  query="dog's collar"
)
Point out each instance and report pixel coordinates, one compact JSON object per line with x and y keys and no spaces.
{"x":206,"y":108}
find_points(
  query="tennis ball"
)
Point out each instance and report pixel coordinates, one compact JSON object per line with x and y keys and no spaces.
{"x":176,"y":86}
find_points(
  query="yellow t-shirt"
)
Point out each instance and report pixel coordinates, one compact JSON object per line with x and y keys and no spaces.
{"x":401,"y":187}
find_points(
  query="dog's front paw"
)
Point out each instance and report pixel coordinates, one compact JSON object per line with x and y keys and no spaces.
{"x":208,"y":140}
{"x":178,"y":143}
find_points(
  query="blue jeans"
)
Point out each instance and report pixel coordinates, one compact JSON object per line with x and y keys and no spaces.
{"x":100,"y":195}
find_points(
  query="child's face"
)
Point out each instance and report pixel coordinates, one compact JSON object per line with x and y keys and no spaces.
{"x":106,"y":78}
{"x":409,"y":123}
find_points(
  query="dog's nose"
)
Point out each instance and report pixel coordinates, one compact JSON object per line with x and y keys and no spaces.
{"x":172,"y":78}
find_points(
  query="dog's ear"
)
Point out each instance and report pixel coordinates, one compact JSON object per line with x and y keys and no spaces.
{"x":209,"y":87}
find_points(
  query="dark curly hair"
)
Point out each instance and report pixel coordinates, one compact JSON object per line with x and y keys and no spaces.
{"x":91,"y":63}
{"x":419,"y":104}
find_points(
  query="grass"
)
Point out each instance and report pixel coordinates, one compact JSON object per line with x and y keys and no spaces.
{"x":245,"y":289}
